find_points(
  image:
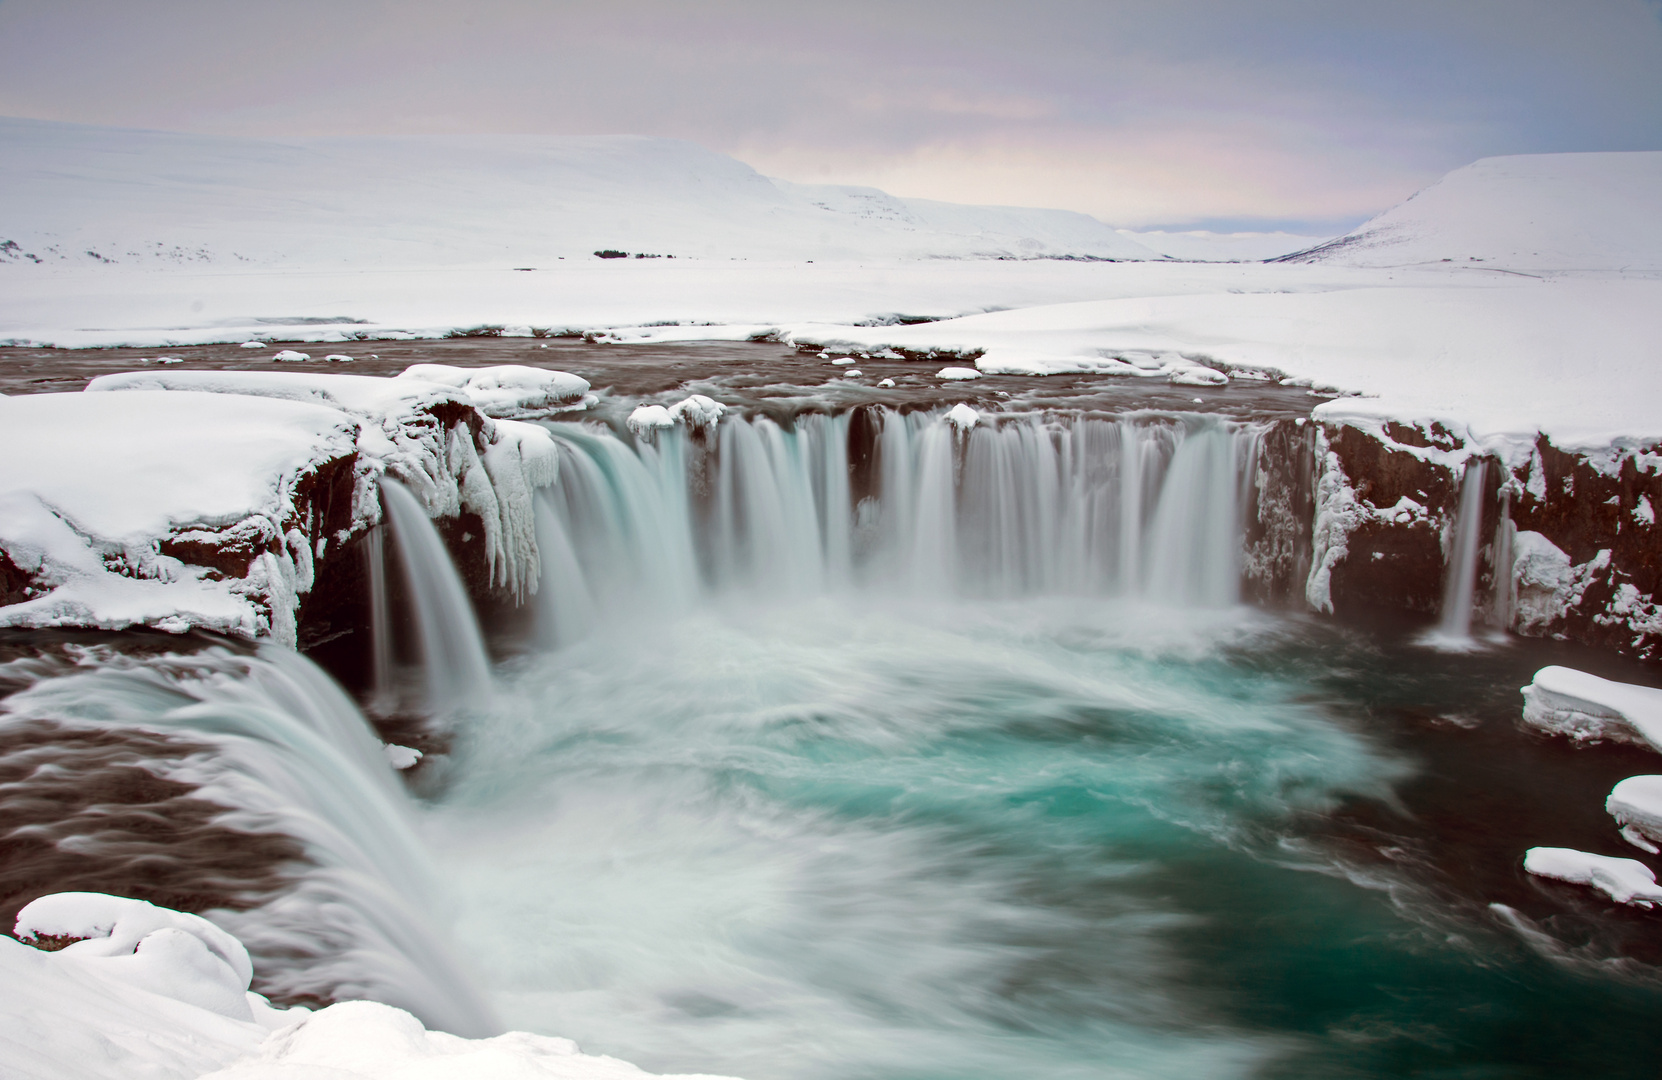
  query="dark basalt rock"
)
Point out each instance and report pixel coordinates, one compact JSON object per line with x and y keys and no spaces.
{"x":1275,"y":557}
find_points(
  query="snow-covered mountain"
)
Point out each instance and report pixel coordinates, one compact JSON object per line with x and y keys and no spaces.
{"x":91,"y":194}
{"x":1524,"y":213}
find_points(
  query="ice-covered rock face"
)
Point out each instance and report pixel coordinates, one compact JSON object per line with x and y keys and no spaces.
{"x":180,"y":499}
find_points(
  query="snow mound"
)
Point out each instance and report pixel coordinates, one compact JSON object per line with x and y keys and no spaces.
{"x":963,"y":416}
{"x":1587,"y":708}
{"x":507,"y":390}
{"x":1626,"y":881}
{"x":94,"y":196}
{"x":1523,"y":213}
{"x":364,"y":1040}
{"x":1636,"y":804}
{"x":952,"y":374}
{"x":149,"y":992}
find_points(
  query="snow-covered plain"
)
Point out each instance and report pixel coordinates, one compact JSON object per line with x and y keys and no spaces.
{"x":1517,"y":295}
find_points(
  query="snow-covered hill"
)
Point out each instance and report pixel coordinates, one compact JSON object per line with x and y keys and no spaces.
{"x":70,"y":193}
{"x":1525,"y":213}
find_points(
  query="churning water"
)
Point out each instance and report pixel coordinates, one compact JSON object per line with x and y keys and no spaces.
{"x":876,"y":745}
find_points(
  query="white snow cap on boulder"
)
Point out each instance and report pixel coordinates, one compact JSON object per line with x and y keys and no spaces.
{"x":953,"y":374}
{"x":1586,"y":708}
{"x":963,"y":416}
{"x":1636,"y":804}
{"x":506,"y":390}
{"x":1626,"y":881}
{"x":180,"y":956}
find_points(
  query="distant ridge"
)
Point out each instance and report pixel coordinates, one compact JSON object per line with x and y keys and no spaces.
{"x":1534,"y":212}
{"x":72,"y":193}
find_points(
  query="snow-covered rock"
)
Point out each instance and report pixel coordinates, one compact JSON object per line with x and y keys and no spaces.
{"x":431,"y":436}
{"x":169,"y":510}
{"x":143,"y":991}
{"x":1636,"y":804}
{"x":1626,"y":881}
{"x":952,"y":374}
{"x":507,"y":390}
{"x":292,"y":356}
{"x":963,"y":416}
{"x":1585,"y":707}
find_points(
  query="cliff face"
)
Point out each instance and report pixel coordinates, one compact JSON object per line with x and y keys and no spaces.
{"x":1568,"y":542}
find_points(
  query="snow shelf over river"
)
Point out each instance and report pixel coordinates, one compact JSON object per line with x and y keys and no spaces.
{"x":203,"y":499}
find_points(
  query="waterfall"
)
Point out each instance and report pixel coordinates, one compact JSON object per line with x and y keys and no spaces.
{"x":1505,"y":586}
{"x":454,"y":661}
{"x":294,"y":757}
{"x":1460,"y":584}
{"x":1145,"y":507}
{"x":382,"y":691}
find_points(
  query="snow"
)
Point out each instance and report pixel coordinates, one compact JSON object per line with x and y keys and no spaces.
{"x":74,"y":194}
{"x":290,"y":356}
{"x":1200,"y":245}
{"x":402,"y":757}
{"x":957,"y":373}
{"x":963,"y":416}
{"x":1585,"y":707}
{"x":162,"y":995}
{"x":1528,"y":213}
{"x":1636,"y":804}
{"x":95,"y":482}
{"x":1626,"y":881}
{"x":507,"y":390}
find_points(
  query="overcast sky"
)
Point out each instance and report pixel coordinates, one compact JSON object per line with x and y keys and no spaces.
{"x":1311,"y":114}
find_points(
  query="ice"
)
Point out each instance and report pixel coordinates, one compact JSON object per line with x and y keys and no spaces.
{"x":1626,"y":881}
{"x":887,"y":384}
{"x":647,"y":418}
{"x":954,"y":373}
{"x":291,"y":356}
{"x":1586,"y":707}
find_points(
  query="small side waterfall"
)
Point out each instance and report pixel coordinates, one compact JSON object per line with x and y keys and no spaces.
{"x":1021,"y":505}
{"x":381,"y":692}
{"x":453,"y":655}
{"x":1460,"y":584}
{"x":293,"y":757}
{"x":1505,"y":587}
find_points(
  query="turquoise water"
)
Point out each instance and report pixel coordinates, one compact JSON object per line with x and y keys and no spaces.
{"x":860,"y":838}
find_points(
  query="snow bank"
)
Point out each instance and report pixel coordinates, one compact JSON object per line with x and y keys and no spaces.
{"x":1626,"y":881}
{"x":1636,"y":804}
{"x":429,"y":434}
{"x":1523,"y":213}
{"x":1585,"y":707}
{"x":148,"y":992}
{"x":364,"y":1040}
{"x":107,"y":504}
